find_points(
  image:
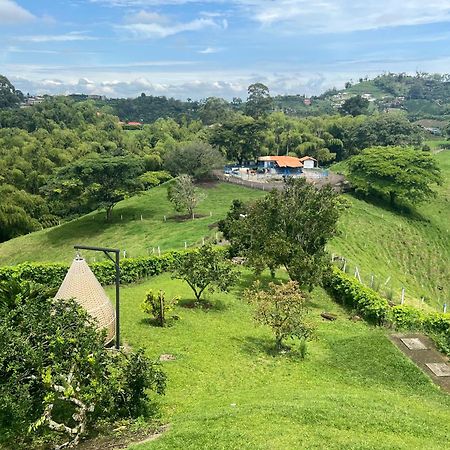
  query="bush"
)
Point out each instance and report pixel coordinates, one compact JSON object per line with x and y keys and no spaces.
{"x":158,"y":307}
{"x":56,"y":377}
{"x":283,"y":308}
{"x":131,"y":270}
{"x":376,"y":309}
{"x":351,"y":292}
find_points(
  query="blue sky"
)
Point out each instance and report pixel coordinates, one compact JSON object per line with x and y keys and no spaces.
{"x":193,"y":48}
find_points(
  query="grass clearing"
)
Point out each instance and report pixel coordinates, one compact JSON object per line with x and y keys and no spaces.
{"x":227,"y":391}
{"x":130,"y":233}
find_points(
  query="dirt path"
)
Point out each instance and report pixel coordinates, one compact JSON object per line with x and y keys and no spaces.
{"x":422,"y":351}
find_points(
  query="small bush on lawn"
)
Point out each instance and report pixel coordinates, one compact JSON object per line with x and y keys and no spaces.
{"x":205,"y":268}
{"x":57,"y":381}
{"x":283,"y":308}
{"x":158,"y":307}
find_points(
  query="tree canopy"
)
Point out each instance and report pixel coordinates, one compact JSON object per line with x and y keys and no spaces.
{"x":288,"y":228}
{"x":398,"y":173}
{"x":98,"y":182}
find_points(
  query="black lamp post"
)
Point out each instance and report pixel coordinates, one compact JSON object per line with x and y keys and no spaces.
{"x":116,"y":261}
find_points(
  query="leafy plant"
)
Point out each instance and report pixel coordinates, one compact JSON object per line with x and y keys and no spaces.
{"x":158,"y":307}
{"x":56,"y":377}
{"x":184,"y":195}
{"x":204,"y":268}
{"x":283,"y":308}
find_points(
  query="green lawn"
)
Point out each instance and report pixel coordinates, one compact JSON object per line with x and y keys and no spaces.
{"x":410,"y":252}
{"x":226,"y":390}
{"x":413,"y":251}
{"x":138,"y":237}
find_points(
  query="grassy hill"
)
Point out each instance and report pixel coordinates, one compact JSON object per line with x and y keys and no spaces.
{"x":127,"y":231}
{"x":412,"y":252}
{"x":227,"y":390}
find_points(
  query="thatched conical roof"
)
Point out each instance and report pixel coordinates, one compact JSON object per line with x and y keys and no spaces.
{"x":80,"y":284}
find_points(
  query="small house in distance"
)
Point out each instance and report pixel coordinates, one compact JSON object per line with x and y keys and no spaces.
{"x":280,"y":165}
{"x":309,"y":162}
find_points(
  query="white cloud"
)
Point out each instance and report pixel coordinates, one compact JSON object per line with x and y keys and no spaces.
{"x":209,"y":50}
{"x":146,"y":17}
{"x":346,"y":15}
{"x":148,"y":30}
{"x":73,"y":36}
{"x":11,"y":13}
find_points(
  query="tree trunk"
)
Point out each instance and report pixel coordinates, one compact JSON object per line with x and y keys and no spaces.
{"x":392,"y":196}
{"x":109,"y":213}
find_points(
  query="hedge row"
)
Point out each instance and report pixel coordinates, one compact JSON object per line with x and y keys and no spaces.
{"x":131,"y":270}
{"x":376,"y":309}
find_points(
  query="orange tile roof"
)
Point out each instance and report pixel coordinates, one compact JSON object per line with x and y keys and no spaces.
{"x":283,"y":161}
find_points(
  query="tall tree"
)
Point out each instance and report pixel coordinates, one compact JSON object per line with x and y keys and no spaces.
{"x":355,"y":106}
{"x":399,"y":173}
{"x":259,"y":101}
{"x":288,"y":228}
{"x":98,"y":182}
{"x":196,"y":159}
{"x":184,"y":195}
{"x":9,"y":96}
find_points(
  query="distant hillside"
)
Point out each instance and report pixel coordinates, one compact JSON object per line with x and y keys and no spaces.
{"x":423,"y":96}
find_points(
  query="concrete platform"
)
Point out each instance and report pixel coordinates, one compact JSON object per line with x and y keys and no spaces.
{"x":429,"y":359}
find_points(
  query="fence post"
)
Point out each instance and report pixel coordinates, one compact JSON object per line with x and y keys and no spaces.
{"x":185,"y":244}
{"x":371,"y":281}
{"x":445,"y":308}
{"x":159,"y":251}
{"x":403,"y":296}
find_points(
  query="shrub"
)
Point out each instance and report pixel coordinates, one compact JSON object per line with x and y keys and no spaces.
{"x":352,"y":293}
{"x":283,"y":308}
{"x":204,"y":268}
{"x":406,"y":317}
{"x":131,"y":270}
{"x":158,"y":307}
{"x":374,"y":308}
{"x":56,"y":377}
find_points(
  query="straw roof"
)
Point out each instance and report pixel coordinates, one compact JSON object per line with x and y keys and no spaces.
{"x":80,"y":284}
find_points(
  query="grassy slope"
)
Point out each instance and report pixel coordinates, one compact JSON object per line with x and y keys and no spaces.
{"x":131,"y":234}
{"x":226,"y":391}
{"x":414,"y":252}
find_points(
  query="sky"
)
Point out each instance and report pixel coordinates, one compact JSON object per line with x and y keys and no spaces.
{"x":200,"y":48}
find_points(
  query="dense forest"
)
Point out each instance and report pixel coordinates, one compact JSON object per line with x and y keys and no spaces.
{"x":65,"y":157}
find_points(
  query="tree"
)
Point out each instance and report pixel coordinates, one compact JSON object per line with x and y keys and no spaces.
{"x":241,"y":138}
{"x":355,"y":106}
{"x":259,"y":102}
{"x":9,"y":96}
{"x":215,"y":110}
{"x":184,"y":195}
{"x":98,"y":182}
{"x":196,"y":159}
{"x":289,"y":228}
{"x":384,"y":130}
{"x":399,"y":173}
{"x":283,"y":308}
{"x":158,"y":307}
{"x":204,"y":268}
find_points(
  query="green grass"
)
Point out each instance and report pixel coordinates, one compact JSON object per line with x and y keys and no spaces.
{"x":413,"y":251}
{"x":138,"y":237}
{"x":226,"y":390}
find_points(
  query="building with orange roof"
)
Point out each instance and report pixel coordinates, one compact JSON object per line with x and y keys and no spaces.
{"x":281,"y":165}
